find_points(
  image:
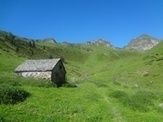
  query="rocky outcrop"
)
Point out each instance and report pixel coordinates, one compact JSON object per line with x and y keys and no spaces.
{"x":50,"y":40}
{"x":99,"y":42}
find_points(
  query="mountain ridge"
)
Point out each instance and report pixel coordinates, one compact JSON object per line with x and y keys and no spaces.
{"x":141,"y":43}
{"x":101,"y":42}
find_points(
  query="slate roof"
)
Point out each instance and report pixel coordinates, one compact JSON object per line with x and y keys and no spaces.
{"x":37,"y":65}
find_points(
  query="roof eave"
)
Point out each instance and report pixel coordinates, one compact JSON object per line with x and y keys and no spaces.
{"x":17,"y":71}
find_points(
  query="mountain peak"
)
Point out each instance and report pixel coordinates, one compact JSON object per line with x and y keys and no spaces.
{"x":99,"y":42}
{"x":50,"y":40}
{"x":146,"y":36}
{"x":142,"y":43}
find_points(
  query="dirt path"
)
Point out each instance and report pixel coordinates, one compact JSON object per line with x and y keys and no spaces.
{"x":117,"y":116}
{"x":114,"y":110}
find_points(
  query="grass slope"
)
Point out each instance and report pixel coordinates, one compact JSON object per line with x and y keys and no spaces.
{"x":113,"y":85}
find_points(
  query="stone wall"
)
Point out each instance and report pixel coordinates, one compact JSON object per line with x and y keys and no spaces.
{"x":42,"y":75}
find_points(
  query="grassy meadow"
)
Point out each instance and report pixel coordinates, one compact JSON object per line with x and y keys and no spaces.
{"x":113,"y":85}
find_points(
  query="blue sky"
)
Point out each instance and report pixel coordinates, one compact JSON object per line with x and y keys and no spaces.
{"x":77,"y":21}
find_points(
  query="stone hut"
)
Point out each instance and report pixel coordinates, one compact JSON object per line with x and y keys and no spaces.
{"x":52,"y":69}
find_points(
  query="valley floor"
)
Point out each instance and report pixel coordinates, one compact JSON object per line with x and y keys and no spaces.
{"x":112,"y":86}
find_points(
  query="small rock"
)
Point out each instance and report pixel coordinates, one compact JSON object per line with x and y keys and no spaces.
{"x":161,"y":105}
{"x":145,"y":73}
{"x":136,"y":86}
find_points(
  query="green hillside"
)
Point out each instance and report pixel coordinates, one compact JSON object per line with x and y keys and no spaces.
{"x":113,"y":85}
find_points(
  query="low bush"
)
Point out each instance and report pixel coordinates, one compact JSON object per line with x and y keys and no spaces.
{"x":12,"y":95}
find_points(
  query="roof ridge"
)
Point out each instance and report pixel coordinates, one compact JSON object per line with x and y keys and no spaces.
{"x":42,"y":59}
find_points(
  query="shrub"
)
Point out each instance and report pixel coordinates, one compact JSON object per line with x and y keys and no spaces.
{"x":12,"y":95}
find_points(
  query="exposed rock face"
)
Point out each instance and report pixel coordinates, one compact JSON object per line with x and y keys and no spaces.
{"x":99,"y":42}
{"x":142,"y":43}
{"x":161,"y":105}
{"x":49,"y":40}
